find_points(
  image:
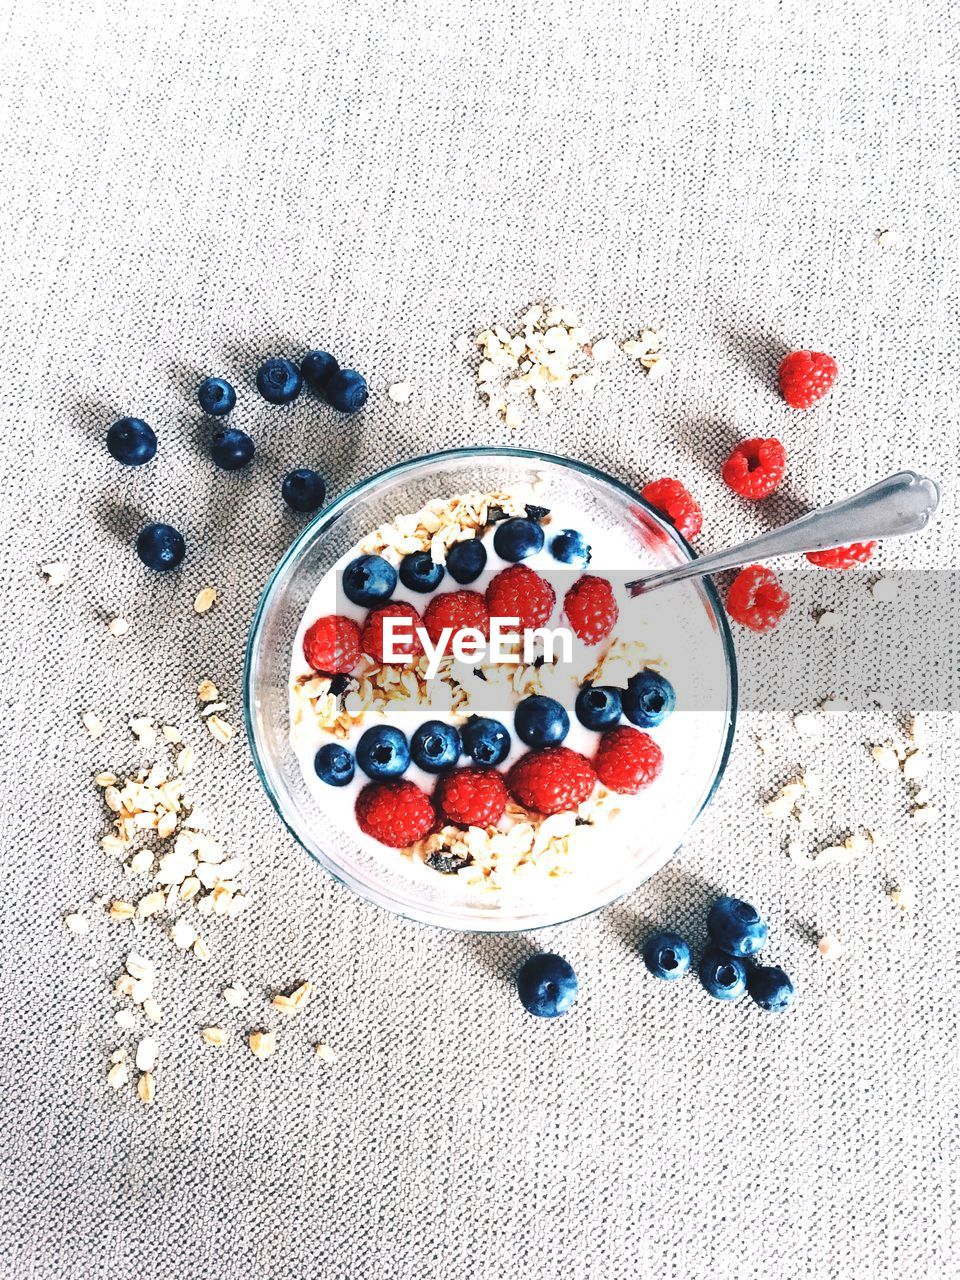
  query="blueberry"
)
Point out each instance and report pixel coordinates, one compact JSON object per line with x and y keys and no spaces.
{"x":536,"y":513}
{"x":279,"y":380}
{"x":369,"y":581}
{"x":419,"y":573}
{"x":317,"y":367}
{"x":382,"y":752}
{"x":132,"y":442}
{"x":736,"y":927}
{"x":770,"y":987}
{"x":724,"y":976}
{"x":540,"y":721}
{"x":231,"y":449}
{"x":346,"y":390}
{"x":334,"y":765}
{"x":466,"y":560}
{"x":485,"y":741}
{"x":598,"y":706}
{"x":303,"y":489}
{"x":571,"y":548}
{"x":517,"y":539}
{"x":216,"y":396}
{"x":435,"y":746}
{"x":666,"y":955}
{"x":648,"y":699}
{"x":160,"y":546}
{"x":547,"y":985}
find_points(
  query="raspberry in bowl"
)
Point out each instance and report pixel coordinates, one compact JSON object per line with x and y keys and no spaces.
{"x":477,"y":787}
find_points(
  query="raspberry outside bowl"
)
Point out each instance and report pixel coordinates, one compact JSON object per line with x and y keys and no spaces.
{"x":384,"y":876}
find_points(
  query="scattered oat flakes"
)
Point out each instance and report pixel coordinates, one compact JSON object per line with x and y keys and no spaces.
{"x":146,"y":1056}
{"x":118,"y":627}
{"x":853,"y":846}
{"x":76,"y":923}
{"x":139,"y":966}
{"x":885,"y":756}
{"x":147,"y":1088}
{"x":903,"y":896}
{"x":325,"y":1053}
{"x":295,"y":1001}
{"x":151,"y":1010}
{"x":924,"y":815}
{"x":118,"y":1075}
{"x":93,"y":724}
{"x":207,"y":691}
{"x":220,"y":730}
{"x":400,"y":392}
{"x":888,"y":239}
{"x":205,"y":599}
{"x":200,"y":949}
{"x":886,"y":590}
{"x":826,"y":619}
{"x":214,"y":1035}
{"x":121,"y":910}
{"x":235,"y":995}
{"x":916,"y":766}
{"x":183,"y":935}
{"x":830,"y":948}
{"x":262,"y":1043}
{"x":808,"y":724}
{"x":118,"y":1055}
{"x":171,"y":734}
{"x":125,"y":1018}
{"x":604,"y":349}
{"x":56,"y":573}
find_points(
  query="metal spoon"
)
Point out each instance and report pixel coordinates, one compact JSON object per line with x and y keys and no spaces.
{"x":903,"y":503}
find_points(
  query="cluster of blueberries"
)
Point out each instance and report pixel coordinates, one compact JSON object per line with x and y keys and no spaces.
{"x":133,"y":442}
{"x":738,"y":933}
{"x":384,"y":752}
{"x":547,"y":984}
{"x":370,"y":580}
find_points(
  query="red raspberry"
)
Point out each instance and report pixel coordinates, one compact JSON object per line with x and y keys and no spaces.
{"x":332,"y":644}
{"x":456,"y":609}
{"x":591,"y":608}
{"x":676,"y":503}
{"x":756,"y":599}
{"x":471,"y":797}
{"x":371,"y":638}
{"x":627,"y":760}
{"x":395,"y":813}
{"x":755,"y":467}
{"x":551,"y":781}
{"x":518,"y":592}
{"x":843,"y":557}
{"x":805,"y":377}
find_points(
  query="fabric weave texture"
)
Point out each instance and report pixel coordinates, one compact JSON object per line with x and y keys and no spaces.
{"x":192,"y":187}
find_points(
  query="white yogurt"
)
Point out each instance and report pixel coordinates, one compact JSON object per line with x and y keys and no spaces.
{"x":677,"y":633}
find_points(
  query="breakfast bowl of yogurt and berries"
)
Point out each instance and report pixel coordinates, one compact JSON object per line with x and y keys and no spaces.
{"x":460,"y":711}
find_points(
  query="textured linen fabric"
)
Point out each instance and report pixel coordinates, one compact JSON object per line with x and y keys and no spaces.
{"x":190,"y":187}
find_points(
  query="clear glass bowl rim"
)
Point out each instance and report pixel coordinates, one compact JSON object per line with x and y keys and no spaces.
{"x":329,"y":513}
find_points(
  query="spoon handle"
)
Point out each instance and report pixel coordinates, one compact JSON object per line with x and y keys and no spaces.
{"x":903,"y":503}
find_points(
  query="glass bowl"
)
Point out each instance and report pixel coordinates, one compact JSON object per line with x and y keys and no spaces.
{"x":383,"y":875}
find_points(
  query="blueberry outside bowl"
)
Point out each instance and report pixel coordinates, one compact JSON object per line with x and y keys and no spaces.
{"x":384,"y":876}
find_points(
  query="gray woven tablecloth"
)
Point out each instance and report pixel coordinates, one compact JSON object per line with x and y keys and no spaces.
{"x":189,"y":187}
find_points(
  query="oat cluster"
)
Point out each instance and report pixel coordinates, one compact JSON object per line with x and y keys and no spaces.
{"x":548,"y":354}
